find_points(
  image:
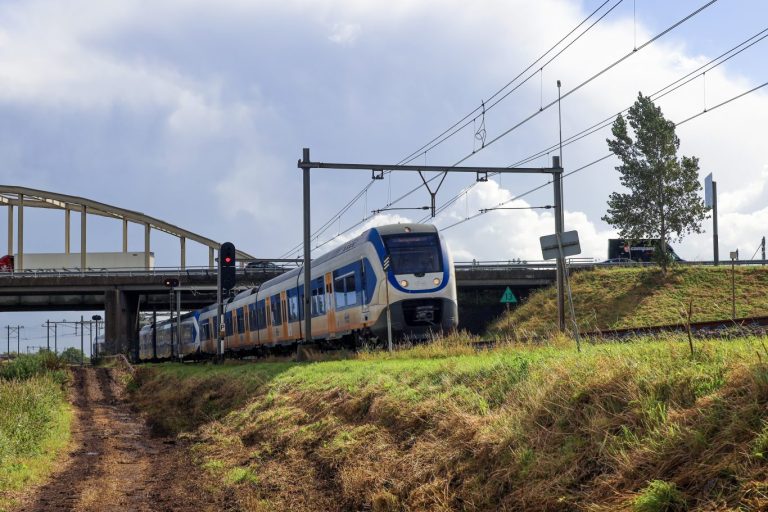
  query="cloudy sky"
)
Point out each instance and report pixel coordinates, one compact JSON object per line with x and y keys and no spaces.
{"x":196,"y":112}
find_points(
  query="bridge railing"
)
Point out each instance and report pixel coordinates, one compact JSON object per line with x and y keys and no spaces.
{"x":139,"y":272}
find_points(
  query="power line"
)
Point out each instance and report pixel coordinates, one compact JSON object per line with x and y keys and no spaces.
{"x":594,"y":162}
{"x":664,"y":91}
{"x":437,"y":140}
{"x":543,"y":108}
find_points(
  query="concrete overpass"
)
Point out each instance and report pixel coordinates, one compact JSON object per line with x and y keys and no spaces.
{"x":124,"y":294}
{"x":121,"y":294}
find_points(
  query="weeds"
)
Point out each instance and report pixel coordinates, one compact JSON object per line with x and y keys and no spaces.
{"x":660,"y":496}
{"x":518,"y":427}
{"x":34,"y":423}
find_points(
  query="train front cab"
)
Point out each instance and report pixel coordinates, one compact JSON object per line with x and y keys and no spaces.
{"x":422,"y":285}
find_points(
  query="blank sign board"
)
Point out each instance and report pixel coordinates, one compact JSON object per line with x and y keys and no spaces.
{"x":708,"y":191}
{"x":569,"y":241}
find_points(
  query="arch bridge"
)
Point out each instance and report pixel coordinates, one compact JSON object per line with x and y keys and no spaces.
{"x":19,"y":198}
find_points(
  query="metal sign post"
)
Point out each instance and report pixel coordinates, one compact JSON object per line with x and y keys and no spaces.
{"x":710,"y":200}
{"x":559,"y":246}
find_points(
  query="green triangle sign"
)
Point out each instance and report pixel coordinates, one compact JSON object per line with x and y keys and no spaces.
{"x":508,"y":297}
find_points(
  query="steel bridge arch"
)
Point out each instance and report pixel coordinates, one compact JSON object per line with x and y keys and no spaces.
{"x":21,"y":197}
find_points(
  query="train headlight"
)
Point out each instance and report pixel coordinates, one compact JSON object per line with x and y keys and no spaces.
{"x":403,"y":283}
{"x":436,"y":281}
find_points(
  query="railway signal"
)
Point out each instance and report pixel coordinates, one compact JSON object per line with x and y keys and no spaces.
{"x":227,"y":267}
{"x":170,"y":283}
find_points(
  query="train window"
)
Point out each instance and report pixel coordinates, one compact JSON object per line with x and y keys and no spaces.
{"x":274,"y":306}
{"x":228,"y":323}
{"x":240,"y":320}
{"x":261,"y":311}
{"x":293,"y":305}
{"x":205,"y":330}
{"x":318,"y":297}
{"x":344,"y":290}
{"x":252,"y":318}
{"x":186,"y":333}
{"x":414,"y":253}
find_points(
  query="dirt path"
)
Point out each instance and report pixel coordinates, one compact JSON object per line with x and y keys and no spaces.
{"x":116,"y":465}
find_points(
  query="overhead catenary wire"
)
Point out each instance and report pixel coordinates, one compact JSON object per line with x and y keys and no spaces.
{"x":431,"y":143}
{"x":549,"y":105}
{"x":664,"y":91}
{"x":605,"y":157}
{"x":576,"y":88}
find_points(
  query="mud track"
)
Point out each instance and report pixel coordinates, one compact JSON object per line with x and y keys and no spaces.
{"x":116,"y":464}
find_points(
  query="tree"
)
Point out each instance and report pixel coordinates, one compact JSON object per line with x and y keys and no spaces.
{"x":72,"y":355}
{"x":663,"y":200}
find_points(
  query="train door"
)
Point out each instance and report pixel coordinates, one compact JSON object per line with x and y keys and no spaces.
{"x":283,"y":310}
{"x":363,"y":294}
{"x":248,"y":323}
{"x":330,"y":304}
{"x":268,"y":319}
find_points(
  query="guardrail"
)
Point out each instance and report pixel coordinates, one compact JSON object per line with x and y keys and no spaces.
{"x":581,"y":263}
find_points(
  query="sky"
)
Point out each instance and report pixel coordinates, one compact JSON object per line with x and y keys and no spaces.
{"x":196,"y":113}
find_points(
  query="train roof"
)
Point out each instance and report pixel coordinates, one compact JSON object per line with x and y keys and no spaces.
{"x":365,"y":236}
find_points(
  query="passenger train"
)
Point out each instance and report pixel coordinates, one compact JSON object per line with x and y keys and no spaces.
{"x":407,"y":266}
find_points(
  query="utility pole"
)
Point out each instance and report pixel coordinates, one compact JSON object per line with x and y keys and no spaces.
{"x":48,"y":335}
{"x":56,"y":338}
{"x":377,"y":172}
{"x":82,"y":353}
{"x":18,"y":338}
{"x":9,"y":340}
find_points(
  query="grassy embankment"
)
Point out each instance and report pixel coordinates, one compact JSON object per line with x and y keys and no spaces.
{"x":34,"y":421}
{"x":639,"y":426}
{"x":632,"y":297}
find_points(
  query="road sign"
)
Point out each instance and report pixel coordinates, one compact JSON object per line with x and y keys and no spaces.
{"x":508,"y":297}
{"x":569,"y":241}
{"x":708,"y":191}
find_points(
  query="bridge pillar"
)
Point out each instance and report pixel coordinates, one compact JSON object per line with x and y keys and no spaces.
{"x":183,"y":241}
{"x":125,"y":235}
{"x":10,"y":230}
{"x":120,"y":310}
{"x":146,"y":245}
{"x":67,"y":223}
{"x":19,"y":263}
{"x":83,"y":238}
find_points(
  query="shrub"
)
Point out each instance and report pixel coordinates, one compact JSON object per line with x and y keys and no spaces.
{"x":27,"y":366}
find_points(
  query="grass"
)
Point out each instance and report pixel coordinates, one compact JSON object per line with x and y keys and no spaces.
{"x":515,"y":428}
{"x":35,"y":421}
{"x":660,"y":496}
{"x":633,"y":297}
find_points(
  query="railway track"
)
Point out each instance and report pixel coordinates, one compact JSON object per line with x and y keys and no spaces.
{"x":709,"y":329}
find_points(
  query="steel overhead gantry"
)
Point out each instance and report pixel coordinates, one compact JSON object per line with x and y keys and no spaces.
{"x":21,"y":197}
{"x":481,"y":172}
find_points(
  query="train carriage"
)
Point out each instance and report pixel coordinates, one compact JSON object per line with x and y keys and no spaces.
{"x":403,"y":269}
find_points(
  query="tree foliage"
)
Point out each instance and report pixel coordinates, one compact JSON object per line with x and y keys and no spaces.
{"x":72,"y":355}
{"x":663,"y":201}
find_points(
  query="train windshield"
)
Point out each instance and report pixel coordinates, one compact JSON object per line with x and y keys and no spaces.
{"x":414,"y":253}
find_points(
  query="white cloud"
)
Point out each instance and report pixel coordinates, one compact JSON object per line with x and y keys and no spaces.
{"x":345,"y":33}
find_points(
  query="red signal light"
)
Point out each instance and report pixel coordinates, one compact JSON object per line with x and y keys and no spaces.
{"x":227,"y":260}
